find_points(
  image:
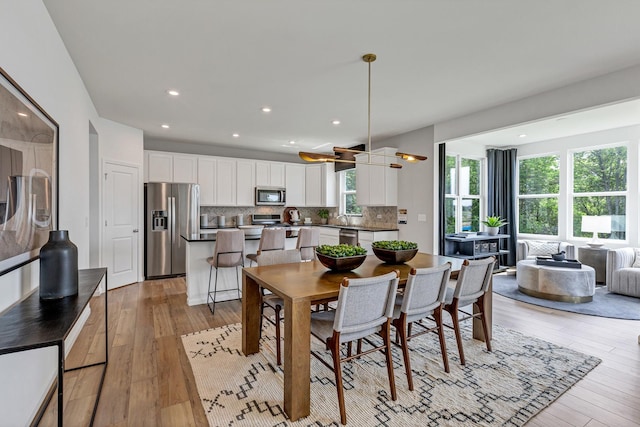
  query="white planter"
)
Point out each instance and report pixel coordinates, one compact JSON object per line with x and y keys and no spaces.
{"x":492,"y":231}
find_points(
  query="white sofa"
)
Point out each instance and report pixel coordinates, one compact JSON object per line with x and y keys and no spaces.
{"x":622,"y":276}
{"x":530,"y":249}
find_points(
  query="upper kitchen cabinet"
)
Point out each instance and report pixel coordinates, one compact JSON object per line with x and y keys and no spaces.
{"x":270,"y":174}
{"x":170,"y":167}
{"x":320,"y":185}
{"x":226,"y":180}
{"x":207,"y":180}
{"x":245,"y":182}
{"x":377,"y":185}
{"x":295,"y":178}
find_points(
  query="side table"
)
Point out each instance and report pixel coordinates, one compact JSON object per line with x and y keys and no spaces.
{"x":596,"y":258}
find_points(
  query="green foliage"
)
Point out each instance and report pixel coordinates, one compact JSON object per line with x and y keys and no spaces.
{"x":394,"y":245}
{"x":539,"y":175}
{"x":340,"y":251}
{"x":494,"y":221}
{"x":323,"y":213}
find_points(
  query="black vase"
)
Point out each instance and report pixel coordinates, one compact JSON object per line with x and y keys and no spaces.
{"x":58,"y":266}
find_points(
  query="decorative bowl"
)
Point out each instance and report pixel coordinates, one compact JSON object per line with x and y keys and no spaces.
{"x":559,"y":256}
{"x":341,"y":263}
{"x":394,"y":257}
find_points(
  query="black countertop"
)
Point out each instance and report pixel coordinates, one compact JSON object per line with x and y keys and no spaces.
{"x":357,"y":227}
{"x":211,"y":237}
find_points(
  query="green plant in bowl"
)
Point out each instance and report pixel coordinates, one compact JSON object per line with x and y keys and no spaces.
{"x":341,"y":257}
{"x":494,"y":221}
{"x":394,"y":251}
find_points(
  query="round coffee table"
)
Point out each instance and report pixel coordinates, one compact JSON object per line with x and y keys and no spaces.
{"x":564,"y":284}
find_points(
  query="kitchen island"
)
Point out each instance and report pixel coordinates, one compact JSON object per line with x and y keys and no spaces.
{"x":200,"y":247}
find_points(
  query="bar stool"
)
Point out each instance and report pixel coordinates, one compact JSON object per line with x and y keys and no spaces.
{"x":228,"y":252}
{"x":308,"y":239}
{"x":271,"y":239}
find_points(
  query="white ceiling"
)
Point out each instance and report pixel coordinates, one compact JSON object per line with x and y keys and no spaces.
{"x":437,"y":60}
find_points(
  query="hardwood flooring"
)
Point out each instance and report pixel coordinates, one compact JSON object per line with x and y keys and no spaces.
{"x":149,"y":381}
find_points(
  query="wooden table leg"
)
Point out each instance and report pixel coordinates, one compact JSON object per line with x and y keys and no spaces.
{"x":297,"y":363}
{"x":477,"y":323}
{"x":251,"y":301}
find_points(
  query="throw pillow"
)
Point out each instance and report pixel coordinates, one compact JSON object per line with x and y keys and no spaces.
{"x":636,"y":263}
{"x":535,"y":248}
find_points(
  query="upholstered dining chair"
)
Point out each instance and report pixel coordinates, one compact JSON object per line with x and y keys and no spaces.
{"x":423,"y":297}
{"x":471,"y":287}
{"x":365,"y":306}
{"x":271,"y":239}
{"x":308,"y":239}
{"x":273,"y":301}
{"x":228,"y":252}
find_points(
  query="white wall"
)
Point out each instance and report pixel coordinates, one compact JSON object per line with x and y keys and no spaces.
{"x":35,"y":57}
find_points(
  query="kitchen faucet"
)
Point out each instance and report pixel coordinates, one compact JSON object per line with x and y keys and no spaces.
{"x":346,"y":218}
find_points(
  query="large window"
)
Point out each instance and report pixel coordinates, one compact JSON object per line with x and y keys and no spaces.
{"x":463,"y":198}
{"x":538,"y":195}
{"x":348,"y":199}
{"x":600,"y":188}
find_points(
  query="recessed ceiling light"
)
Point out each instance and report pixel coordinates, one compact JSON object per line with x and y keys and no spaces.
{"x":236,"y":135}
{"x":266,"y":109}
{"x":335,"y":122}
{"x":292,"y":142}
{"x":523,"y":135}
{"x":165,"y":126}
{"x":173,"y":92}
{"x":23,"y":115}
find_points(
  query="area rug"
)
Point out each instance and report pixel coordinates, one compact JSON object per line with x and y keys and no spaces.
{"x":506,"y":387}
{"x":604,"y":304}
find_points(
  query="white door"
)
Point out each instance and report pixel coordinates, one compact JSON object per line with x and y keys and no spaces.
{"x":121,"y":223}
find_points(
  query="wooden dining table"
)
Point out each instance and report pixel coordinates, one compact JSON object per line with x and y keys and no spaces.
{"x":301,"y":285}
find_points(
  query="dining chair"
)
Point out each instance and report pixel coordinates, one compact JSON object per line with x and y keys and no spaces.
{"x":365,"y":306}
{"x":271,"y":239}
{"x":471,"y":287}
{"x":423,"y":297}
{"x":228,"y":252}
{"x":308,"y":239}
{"x":273,"y":301}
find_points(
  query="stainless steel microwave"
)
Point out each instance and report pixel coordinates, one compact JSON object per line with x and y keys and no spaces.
{"x":271,"y":196}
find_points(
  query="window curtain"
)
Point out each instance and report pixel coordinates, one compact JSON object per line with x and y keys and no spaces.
{"x":442,"y":173}
{"x":501,"y":197}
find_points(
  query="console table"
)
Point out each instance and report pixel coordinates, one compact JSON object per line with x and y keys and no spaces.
{"x":33,"y":323}
{"x":475,"y":246}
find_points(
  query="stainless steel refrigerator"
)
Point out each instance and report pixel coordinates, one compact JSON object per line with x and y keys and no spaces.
{"x":170,"y":210}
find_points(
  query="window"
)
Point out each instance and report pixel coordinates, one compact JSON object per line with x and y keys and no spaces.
{"x":600,"y":188}
{"x":348,"y":199}
{"x":463,"y":198}
{"x":538,"y":195}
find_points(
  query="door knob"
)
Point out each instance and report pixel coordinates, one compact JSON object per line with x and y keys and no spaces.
{"x":135,"y":230}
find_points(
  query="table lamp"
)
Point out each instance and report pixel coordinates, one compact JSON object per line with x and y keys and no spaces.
{"x":595,"y":225}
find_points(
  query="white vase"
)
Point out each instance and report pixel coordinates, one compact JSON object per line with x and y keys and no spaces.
{"x":492,"y":231}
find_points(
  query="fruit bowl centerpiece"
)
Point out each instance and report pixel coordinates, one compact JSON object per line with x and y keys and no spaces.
{"x":341,"y":257}
{"x":394,"y":251}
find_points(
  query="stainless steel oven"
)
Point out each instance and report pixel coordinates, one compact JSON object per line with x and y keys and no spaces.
{"x":271,"y":196}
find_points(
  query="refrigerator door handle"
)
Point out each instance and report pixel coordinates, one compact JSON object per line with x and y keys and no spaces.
{"x":172,"y":216}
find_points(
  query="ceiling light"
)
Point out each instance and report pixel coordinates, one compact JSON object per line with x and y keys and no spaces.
{"x":292,"y":142}
{"x":165,"y":126}
{"x":23,"y":114}
{"x":173,"y":92}
{"x":266,"y":109}
{"x":335,"y":122}
{"x":523,"y":135}
{"x":236,"y":135}
{"x":317,"y":157}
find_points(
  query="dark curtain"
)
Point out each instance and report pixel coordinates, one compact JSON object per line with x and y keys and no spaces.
{"x":442,"y":173}
{"x":501,"y":173}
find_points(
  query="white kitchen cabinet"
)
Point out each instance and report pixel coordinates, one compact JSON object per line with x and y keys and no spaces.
{"x":295,"y":177}
{"x":377,"y":185}
{"x":245,"y":182}
{"x":329,"y":236}
{"x":320,"y":185}
{"x":226,"y":182}
{"x":270,"y":174}
{"x":366,"y":238}
{"x":207,"y":180}
{"x":170,"y":167}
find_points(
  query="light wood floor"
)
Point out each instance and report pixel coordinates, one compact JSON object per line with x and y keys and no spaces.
{"x":149,"y":381}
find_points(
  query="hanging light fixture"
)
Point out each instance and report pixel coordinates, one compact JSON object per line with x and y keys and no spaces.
{"x":319,"y":157}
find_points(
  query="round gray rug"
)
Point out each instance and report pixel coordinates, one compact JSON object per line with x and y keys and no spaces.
{"x":604,"y":304}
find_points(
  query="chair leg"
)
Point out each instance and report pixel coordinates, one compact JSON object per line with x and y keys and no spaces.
{"x":485,"y":328}
{"x":209,"y":291}
{"x":278,"y":347}
{"x":401,"y":331}
{"x":453,"y":311}
{"x":386,"y":336}
{"x":437,"y":315}
{"x":215,"y":291}
{"x":334,"y":346}
{"x":237,"y":281}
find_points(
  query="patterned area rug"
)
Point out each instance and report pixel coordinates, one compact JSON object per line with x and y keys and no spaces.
{"x":506,"y":387}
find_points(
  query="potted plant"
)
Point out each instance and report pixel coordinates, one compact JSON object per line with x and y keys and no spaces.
{"x":493,"y":224}
{"x":324,"y":215}
{"x":394,"y":251}
{"x":341,"y":257}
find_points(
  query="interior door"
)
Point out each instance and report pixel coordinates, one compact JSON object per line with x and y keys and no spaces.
{"x":121,"y":228}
